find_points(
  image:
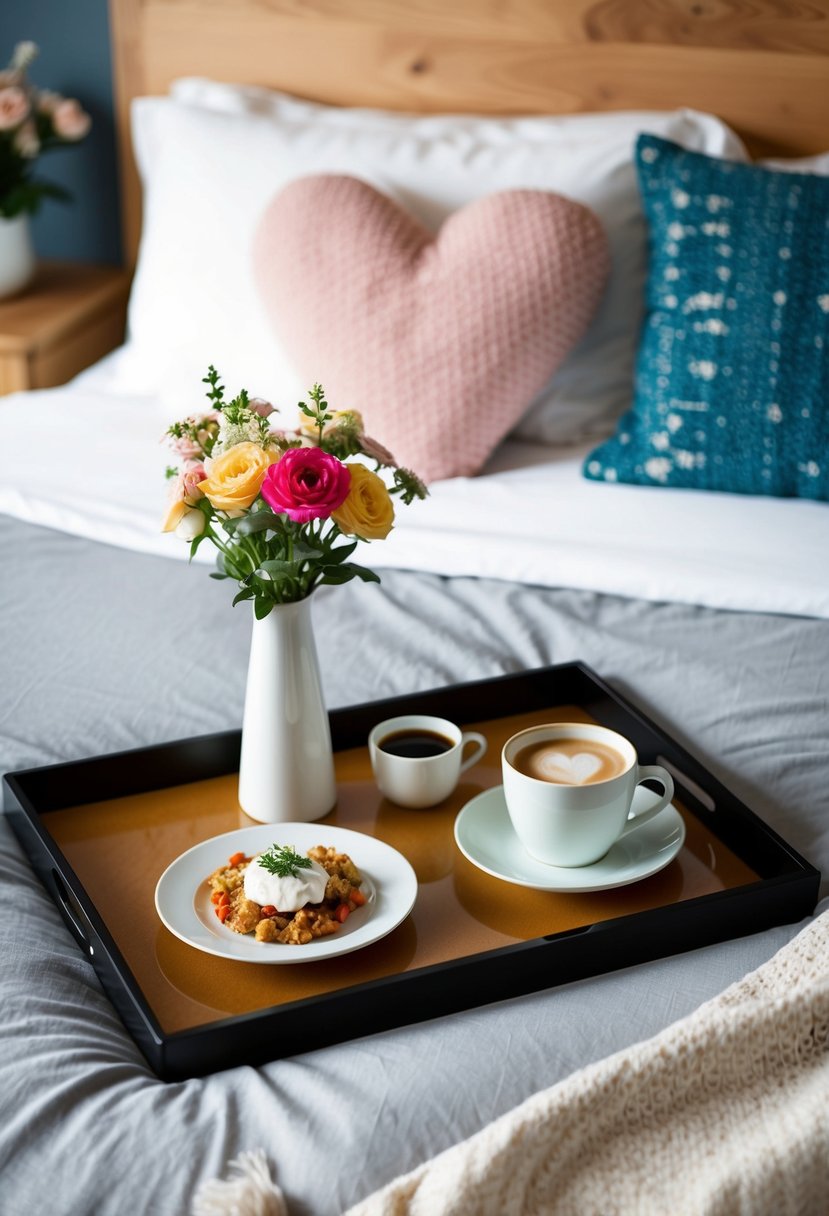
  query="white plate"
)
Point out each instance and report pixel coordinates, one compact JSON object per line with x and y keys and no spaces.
{"x":485,"y":835}
{"x":182,"y":896}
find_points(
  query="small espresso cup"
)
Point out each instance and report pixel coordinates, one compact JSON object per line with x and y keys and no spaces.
{"x":417,"y":759}
{"x":569,"y":789}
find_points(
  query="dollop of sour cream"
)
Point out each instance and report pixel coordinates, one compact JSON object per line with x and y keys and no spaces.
{"x":286,"y":893}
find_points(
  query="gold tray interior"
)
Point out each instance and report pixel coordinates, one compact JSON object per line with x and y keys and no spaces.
{"x":120,"y":848}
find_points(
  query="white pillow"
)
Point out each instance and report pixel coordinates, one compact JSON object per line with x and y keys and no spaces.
{"x":211,"y":163}
{"x":818,"y":164}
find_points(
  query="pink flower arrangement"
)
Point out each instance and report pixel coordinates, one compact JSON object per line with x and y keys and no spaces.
{"x":276,"y":503}
{"x":32,"y":121}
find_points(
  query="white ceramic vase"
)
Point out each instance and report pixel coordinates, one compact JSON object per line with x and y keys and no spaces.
{"x":17,"y":255}
{"x":286,"y":772}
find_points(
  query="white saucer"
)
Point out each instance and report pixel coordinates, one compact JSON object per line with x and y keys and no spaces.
{"x":485,"y":835}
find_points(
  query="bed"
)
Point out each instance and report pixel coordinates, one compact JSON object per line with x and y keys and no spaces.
{"x":708,"y":609}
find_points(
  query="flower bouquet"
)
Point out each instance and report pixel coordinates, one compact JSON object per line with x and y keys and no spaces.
{"x":32,"y":121}
{"x":285,"y":510}
{"x":276,"y":504}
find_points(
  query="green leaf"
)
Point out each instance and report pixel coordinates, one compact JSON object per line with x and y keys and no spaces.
{"x":362,"y":573}
{"x":340,"y":553}
{"x":259,"y":521}
{"x":247,"y":593}
{"x":261,"y":607}
{"x":279,"y":568}
{"x":346,"y":572}
{"x":220,"y":576}
{"x":195,"y":542}
{"x":283,"y":861}
{"x":334,"y":575}
{"x":303,"y":550}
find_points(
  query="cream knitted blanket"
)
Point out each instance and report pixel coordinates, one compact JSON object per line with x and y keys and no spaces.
{"x":725,"y":1113}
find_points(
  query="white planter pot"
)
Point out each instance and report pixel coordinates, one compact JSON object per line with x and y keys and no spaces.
{"x":286,"y":773}
{"x":17,"y":255}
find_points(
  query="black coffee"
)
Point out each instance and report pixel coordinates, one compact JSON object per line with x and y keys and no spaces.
{"x":415,"y":744}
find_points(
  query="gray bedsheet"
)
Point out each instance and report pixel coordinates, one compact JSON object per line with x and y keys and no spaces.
{"x":105,"y":649}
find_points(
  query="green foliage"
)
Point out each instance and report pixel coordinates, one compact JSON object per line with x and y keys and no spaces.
{"x":284,"y":861}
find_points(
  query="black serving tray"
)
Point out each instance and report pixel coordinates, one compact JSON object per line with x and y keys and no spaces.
{"x":784,"y":890}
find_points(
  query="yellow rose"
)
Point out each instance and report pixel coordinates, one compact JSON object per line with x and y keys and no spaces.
{"x":236,"y":476}
{"x":368,"y":511}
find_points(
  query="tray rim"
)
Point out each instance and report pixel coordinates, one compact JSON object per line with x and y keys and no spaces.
{"x":787,"y":892}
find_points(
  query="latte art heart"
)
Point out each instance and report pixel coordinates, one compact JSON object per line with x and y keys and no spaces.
{"x":570,"y":761}
{"x":570,"y":770}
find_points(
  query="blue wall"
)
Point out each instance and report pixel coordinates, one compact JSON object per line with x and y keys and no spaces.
{"x":73,"y":36}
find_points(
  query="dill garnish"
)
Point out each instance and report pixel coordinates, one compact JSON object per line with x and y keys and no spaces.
{"x":284,"y":861}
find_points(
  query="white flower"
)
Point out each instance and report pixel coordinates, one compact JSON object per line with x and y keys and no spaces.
{"x":24,"y":54}
{"x":231,"y":433}
{"x":190,"y":525}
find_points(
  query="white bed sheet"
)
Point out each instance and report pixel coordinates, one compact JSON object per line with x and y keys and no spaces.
{"x":88,"y":460}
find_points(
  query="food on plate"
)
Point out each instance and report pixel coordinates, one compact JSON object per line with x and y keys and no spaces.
{"x":286,"y":897}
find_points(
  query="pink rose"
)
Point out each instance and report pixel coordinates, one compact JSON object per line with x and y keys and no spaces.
{"x":261,"y":407}
{"x":69,"y":120}
{"x":47,"y":102}
{"x":306,"y":484}
{"x":376,"y":450}
{"x":14,"y":106}
{"x":186,"y":447}
{"x":191,"y":479}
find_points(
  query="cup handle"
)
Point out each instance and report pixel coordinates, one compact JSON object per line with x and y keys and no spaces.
{"x":654,"y":772}
{"x":472,"y":736}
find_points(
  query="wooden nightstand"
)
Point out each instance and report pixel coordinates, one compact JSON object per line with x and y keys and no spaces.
{"x":71,"y":315}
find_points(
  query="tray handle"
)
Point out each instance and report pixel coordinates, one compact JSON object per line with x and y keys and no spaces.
{"x":71,"y":912}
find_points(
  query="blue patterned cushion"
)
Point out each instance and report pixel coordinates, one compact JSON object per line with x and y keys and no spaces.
{"x":732,"y":378}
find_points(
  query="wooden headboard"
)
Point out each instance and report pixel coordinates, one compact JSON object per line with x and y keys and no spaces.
{"x":762,"y":65}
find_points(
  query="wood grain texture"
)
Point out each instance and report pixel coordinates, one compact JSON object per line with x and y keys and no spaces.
{"x":772,"y":25}
{"x":780,"y":26}
{"x":761,"y":65}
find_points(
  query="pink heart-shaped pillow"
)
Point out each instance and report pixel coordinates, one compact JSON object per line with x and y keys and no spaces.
{"x":441,"y":342}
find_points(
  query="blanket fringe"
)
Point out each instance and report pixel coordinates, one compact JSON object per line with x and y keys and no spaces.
{"x":252,"y":1193}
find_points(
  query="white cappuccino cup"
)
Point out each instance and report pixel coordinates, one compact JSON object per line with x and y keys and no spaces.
{"x":569,"y":789}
